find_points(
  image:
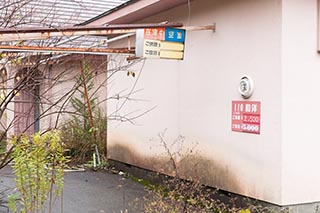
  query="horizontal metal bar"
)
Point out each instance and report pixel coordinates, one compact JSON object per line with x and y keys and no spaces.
{"x":119,"y":37}
{"x":196,"y":28}
{"x":94,"y":51}
{"x":20,"y":34}
{"x":46,"y":35}
{"x":88,"y":28}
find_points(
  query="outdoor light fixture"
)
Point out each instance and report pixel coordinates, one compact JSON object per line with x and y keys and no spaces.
{"x":246,"y":87}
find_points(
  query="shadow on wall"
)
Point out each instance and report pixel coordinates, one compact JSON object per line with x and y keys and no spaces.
{"x":192,"y":166}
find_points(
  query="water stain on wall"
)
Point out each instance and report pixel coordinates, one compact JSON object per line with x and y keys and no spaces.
{"x":191,"y":166}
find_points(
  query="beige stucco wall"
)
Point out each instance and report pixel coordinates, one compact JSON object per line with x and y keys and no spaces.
{"x":60,"y":79}
{"x":300,"y":102}
{"x":192,"y":98}
{"x":59,"y":87}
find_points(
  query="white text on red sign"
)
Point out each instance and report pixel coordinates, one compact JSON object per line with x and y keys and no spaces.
{"x":246,"y":116}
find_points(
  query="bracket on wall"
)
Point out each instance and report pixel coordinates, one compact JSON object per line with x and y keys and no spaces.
{"x":206,"y":27}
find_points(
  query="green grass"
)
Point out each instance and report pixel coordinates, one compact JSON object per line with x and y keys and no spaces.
{"x":143,"y":182}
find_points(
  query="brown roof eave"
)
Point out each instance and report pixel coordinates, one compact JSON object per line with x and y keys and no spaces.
{"x":134,"y":10}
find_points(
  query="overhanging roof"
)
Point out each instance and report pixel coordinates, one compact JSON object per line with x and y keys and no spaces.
{"x":134,"y":10}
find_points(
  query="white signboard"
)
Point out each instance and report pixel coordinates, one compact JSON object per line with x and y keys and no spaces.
{"x":166,"y":43}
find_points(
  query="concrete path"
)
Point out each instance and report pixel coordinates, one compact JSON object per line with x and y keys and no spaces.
{"x":90,"y":192}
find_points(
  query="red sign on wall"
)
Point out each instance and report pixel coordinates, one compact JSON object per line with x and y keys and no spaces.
{"x":154,"y":33}
{"x":246,"y":116}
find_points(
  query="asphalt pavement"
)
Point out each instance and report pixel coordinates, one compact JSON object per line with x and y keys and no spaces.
{"x":88,"y":192}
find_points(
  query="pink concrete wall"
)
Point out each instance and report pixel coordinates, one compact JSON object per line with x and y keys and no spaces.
{"x":300,"y":102}
{"x":193,"y":99}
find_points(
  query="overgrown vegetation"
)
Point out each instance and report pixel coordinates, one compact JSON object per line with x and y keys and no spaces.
{"x":185,"y":196}
{"x":177,"y":194}
{"x":87,"y":127}
{"x":39,"y":80}
{"x":39,"y":163}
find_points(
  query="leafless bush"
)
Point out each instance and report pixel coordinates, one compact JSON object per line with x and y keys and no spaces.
{"x":178,"y":194}
{"x":36,"y":88}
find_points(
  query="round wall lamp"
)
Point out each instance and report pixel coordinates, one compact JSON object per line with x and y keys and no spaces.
{"x":246,"y":87}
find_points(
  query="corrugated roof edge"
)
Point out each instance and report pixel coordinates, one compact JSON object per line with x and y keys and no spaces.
{"x":108,"y":12}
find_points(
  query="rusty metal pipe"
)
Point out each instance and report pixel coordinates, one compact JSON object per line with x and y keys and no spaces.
{"x":96,"y":51}
{"x":89,"y":28}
